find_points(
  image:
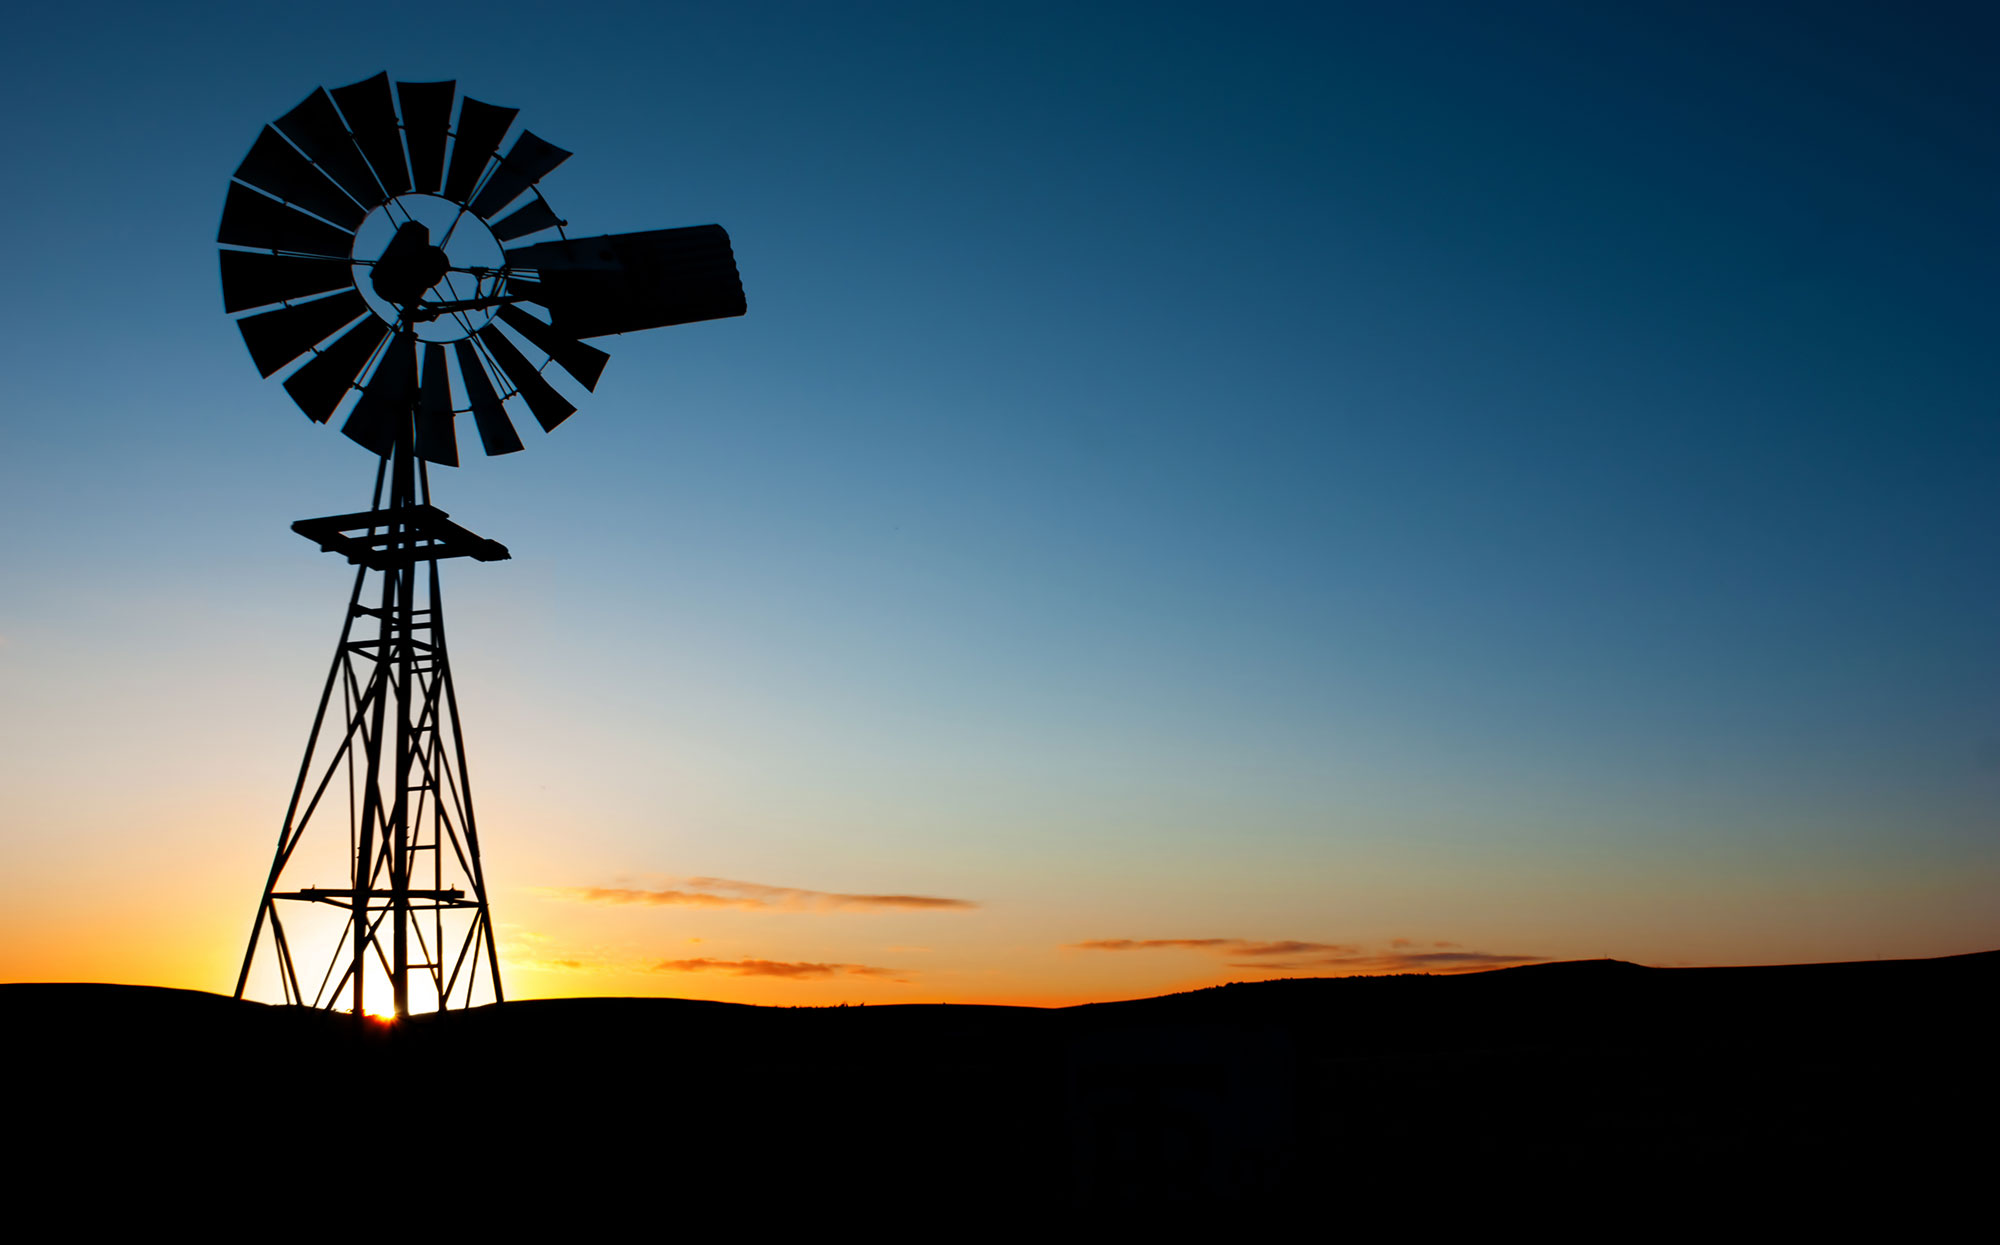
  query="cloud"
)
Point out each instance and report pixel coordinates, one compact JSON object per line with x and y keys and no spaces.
{"x":614,"y":895}
{"x":1226,"y":946}
{"x":550,"y":964}
{"x":1291,"y":948}
{"x":1151,"y":944}
{"x":791,"y":897}
{"x":726,"y":893}
{"x":1320,"y":955}
{"x":777,"y":968}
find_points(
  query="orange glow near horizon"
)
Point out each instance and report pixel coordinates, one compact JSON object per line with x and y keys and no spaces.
{"x":785,"y":958}
{"x":180,"y":922}
{"x":103,"y":960}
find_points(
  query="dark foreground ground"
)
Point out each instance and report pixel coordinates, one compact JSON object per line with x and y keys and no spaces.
{"x":1598,"y":1074}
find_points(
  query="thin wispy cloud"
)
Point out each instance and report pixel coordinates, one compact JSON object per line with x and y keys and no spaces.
{"x":729,"y":893}
{"x":1151,"y":944}
{"x":797,"y":971}
{"x":660,"y":898}
{"x":1230,"y":946}
{"x":552,"y":964}
{"x":531,"y":950}
{"x":1289,"y":955}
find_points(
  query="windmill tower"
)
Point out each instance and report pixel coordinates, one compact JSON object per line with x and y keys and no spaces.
{"x":384,"y":254}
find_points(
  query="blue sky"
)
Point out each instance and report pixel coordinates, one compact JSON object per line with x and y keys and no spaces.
{"x":1517,"y":476}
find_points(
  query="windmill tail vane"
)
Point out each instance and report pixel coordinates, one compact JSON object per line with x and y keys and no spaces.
{"x":380,"y":249}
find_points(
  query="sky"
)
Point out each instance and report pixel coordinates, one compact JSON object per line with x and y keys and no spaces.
{"x":1202,"y":492}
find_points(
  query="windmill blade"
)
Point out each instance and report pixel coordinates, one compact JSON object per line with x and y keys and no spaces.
{"x":254,"y":279}
{"x":372,"y":119}
{"x":623,"y":282}
{"x":549,"y":407}
{"x":437,"y":442}
{"x":275,"y":167}
{"x":496,"y":431}
{"x":277,"y":337}
{"x":480,"y":129}
{"x":534,"y":216}
{"x":317,"y":176}
{"x":323,"y":380}
{"x":586,"y":363}
{"x":426,"y":123}
{"x":315,"y":128}
{"x":249,"y":219}
{"x":382,"y":415}
{"x":527,"y":162}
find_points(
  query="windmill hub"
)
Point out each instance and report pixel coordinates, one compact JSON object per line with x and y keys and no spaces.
{"x":443,"y":282}
{"x":409,"y":267}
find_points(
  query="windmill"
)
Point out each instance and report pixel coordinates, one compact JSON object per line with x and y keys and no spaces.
{"x":386,"y":256}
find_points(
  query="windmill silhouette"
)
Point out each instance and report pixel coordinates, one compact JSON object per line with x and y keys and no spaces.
{"x":366,"y":246}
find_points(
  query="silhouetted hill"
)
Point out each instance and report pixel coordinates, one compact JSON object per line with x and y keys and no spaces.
{"x":1289,"y":1090}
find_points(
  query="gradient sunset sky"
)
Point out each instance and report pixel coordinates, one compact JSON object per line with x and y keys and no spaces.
{"x":1203,"y":492}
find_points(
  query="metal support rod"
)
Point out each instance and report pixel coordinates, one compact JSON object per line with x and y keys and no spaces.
{"x":371,"y":801}
{"x":399,"y":823}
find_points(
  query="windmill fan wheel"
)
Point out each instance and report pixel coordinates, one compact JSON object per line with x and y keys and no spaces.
{"x":385,"y":255}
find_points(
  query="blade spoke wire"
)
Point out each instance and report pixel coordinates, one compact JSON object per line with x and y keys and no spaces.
{"x":323,"y":171}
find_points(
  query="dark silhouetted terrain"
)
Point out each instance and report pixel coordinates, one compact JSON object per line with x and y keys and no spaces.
{"x":1311,"y":1090}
